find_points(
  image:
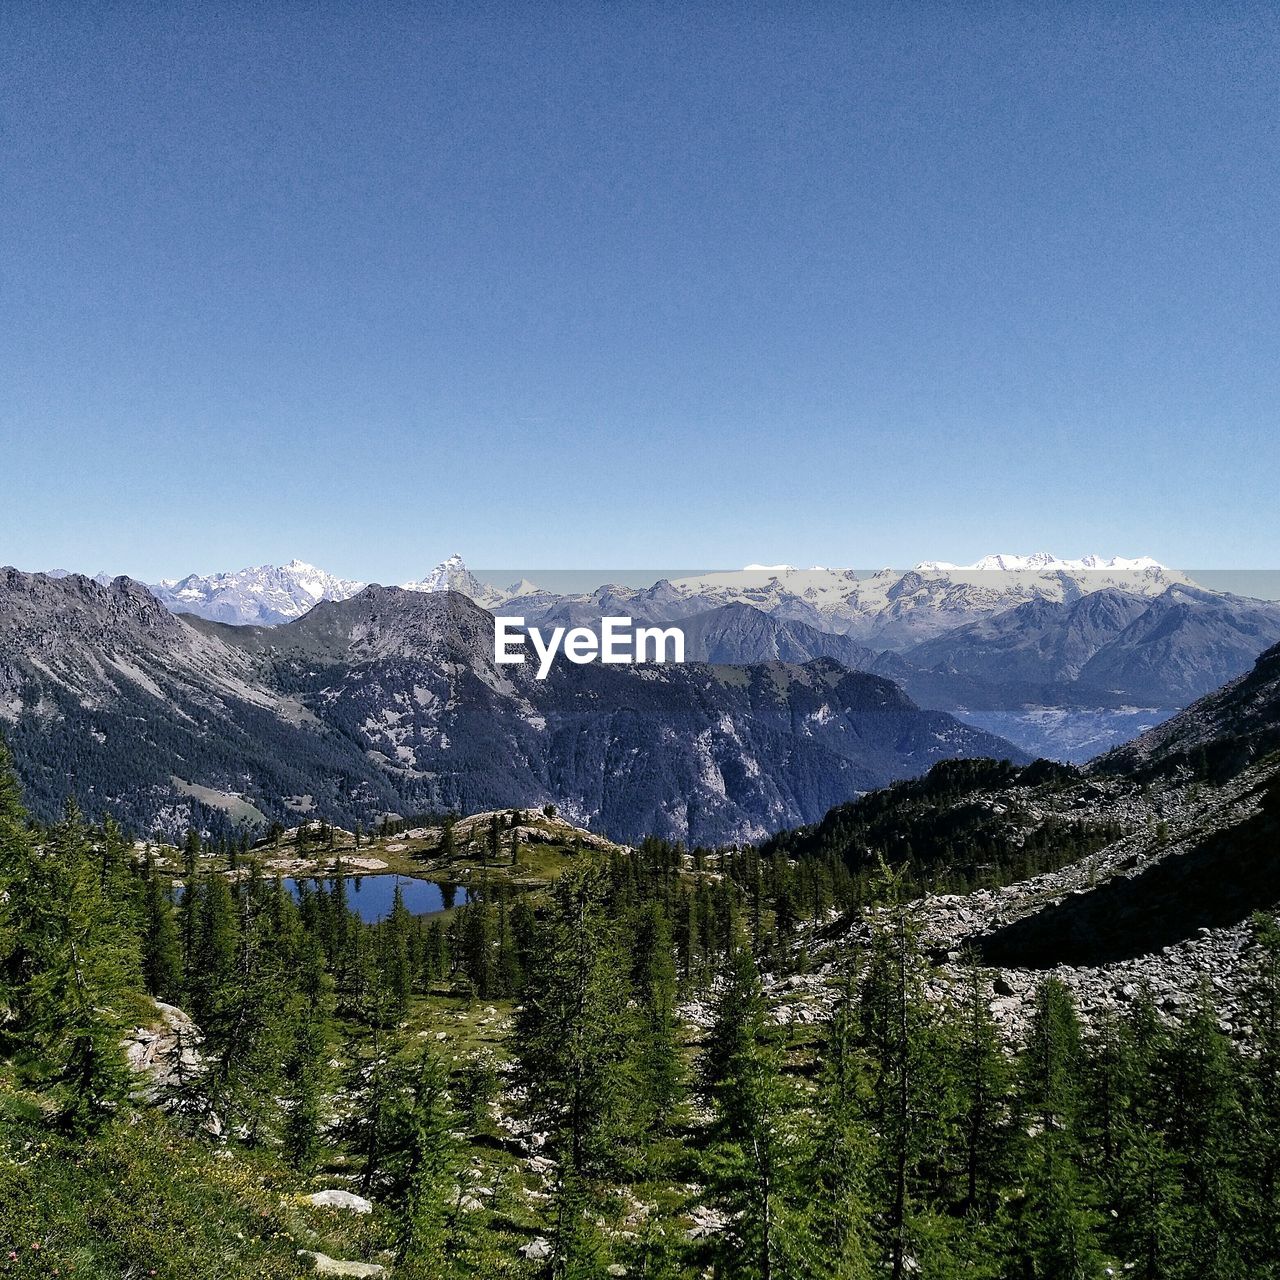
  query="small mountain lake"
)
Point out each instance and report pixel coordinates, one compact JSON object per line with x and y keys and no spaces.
{"x":371,"y":897}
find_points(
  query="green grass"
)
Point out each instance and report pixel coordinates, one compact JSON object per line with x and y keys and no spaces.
{"x":143,"y":1199}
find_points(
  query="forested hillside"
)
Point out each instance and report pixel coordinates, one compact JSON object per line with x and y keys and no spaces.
{"x":609,"y":1068}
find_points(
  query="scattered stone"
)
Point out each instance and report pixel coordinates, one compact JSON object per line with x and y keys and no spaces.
{"x":167,"y":1053}
{"x":341,"y":1200}
{"x":706,"y":1222}
{"x":323,"y":1265}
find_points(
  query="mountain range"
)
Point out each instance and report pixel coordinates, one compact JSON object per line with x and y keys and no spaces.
{"x":1064,"y":657}
{"x":265,"y":596}
{"x":890,"y":608}
{"x":390,"y":702}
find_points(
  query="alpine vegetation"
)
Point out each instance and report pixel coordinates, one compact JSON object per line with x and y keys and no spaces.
{"x":1000,"y":1021}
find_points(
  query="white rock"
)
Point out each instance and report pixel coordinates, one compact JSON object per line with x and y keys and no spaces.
{"x":341,"y":1200}
{"x":323,"y":1265}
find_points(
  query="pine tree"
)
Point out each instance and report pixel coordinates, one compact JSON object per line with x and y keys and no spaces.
{"x":658,"y":1070}
{"x":1053,"y":1062}
{"x":843,"y":1155}
{"x":306,"y":1071}
{"x":1150,"y":1218}
{"x":211,"y":971}
{"x":1125,"y":1118}
{"x":189,"y":906}
{"x":982,"y":1088}
{"x":248,"y":1003}
{"x":397,"y":968}
{"x":477,"y":945}
{"x":1261,"y":1101}
{"x":1206,"y":1133}
{"x":495,"y":842}
{"x":17,"y":880}
{"x":913,"y":1102}
{"x":372,"y":1123}
{"x":573,"y":1030}
{"x":755,"y":1165}
{"x":424,"y":1171}
{"x":577,"y":1247}
{"x":738,"y":1015}
{"x":1055,"y":1224}
{"x":161,"y":943}
{"x":84,"y":965}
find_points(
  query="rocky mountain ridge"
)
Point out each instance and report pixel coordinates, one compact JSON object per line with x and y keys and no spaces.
{"x":1163,"y":908}
{"x":1064,"y":661}
{"x":390,"y":701}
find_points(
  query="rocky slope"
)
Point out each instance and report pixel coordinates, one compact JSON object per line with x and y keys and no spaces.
{"x":390,"y":702}
{"x":106,"y":695}
{"x":695,"y":751}
{"x":1165,"y":905}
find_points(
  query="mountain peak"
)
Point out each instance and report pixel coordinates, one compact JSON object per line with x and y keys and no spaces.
{"x":453,"y":575}
{"x":264,"y":595}
{"x":1044,"y":561}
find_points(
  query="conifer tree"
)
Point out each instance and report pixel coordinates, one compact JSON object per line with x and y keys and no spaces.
{"x":843,"y":1154}
{"x":573,"y":1030}
{"x":477,"y":945}
{"x":1261,"y":1101}
{"x":17,"y":879}
{"x":982,"y":1087}
{"x":211,"y":971}
{"x":577,"y":1247}
{"x":373,"y":1121}
{"x":161,"y":943}
{"x":1056,"y":1224}
{"x":656,"y":1054}
{"x":397,"y":968}
{"x":248,"y":1003}
{"x":755,"y":1165}
{"x":913,"y":1103}
{"x":306,"y":1072}
{"x":84,"y":965}
{"x":1206,"y":1133}
{"x":424,"y":1171}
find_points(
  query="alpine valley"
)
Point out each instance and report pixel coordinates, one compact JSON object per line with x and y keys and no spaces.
{"x":278,"y":692}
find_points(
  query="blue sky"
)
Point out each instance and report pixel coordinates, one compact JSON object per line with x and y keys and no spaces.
{"x":636,"y":284}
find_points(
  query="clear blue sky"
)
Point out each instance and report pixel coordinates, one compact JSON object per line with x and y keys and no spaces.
{"x":629,"y":284}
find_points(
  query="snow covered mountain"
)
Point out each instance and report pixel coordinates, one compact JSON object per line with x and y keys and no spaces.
{"x":891,"y":609}
{"x":895,"y":610}
{"x":265,"y":596}
{"x":453,"y":575}
{"x":1042,"y":560}
{"x":268,"y":595}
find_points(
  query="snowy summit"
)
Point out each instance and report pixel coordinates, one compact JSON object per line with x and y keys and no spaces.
{"x":1043,"y":562}
{"x":264,"y":595}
